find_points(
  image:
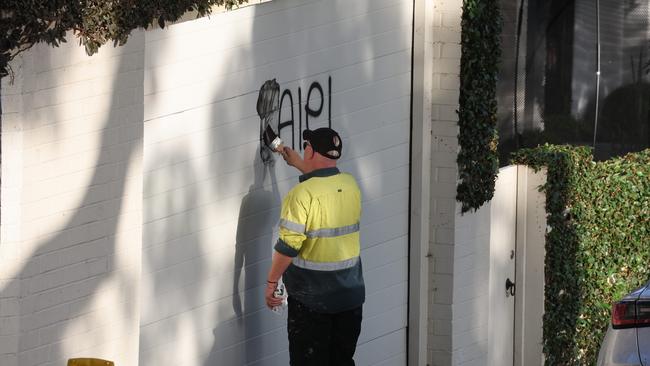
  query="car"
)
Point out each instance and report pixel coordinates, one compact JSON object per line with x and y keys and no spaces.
{"x":627,"y":341}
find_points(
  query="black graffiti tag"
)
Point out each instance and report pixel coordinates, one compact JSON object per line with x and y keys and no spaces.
{"x":267,"y":109}
{"x":268,"y":106}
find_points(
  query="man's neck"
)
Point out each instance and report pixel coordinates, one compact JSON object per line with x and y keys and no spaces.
{"x":316,"y":165}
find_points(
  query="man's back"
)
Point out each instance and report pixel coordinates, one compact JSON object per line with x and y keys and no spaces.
{"x":318,"y":256}
{"x":320,"y":225}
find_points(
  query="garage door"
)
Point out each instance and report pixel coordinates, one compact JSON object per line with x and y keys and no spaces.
{"x":211,"y":204}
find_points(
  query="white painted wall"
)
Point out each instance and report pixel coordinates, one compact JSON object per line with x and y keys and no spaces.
{"x":100,"y":210}
{"x":531,"y":253}
{"x":420,"y":210}
{"x":470,"y":291}
{"x":210,"y":206}
{"x":503,"y":239}
{"x":71,"y":205}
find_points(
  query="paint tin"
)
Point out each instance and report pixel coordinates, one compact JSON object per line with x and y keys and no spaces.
{"x":280,"y":292}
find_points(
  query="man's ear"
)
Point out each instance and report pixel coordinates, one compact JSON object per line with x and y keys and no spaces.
{"x":308,"y":154}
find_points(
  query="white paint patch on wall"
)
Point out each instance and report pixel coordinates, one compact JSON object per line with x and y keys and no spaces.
{"x":72,"y":208}
{"x":211,"y":207}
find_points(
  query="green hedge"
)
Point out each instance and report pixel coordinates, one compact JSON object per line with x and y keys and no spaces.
{"x":478,"y":162}
{"x":597,"y":243}
{"x":24,"y":23}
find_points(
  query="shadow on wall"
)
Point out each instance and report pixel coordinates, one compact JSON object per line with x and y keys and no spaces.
{"x":255,"y":223}
{"x":61,"y":314}
{"x":234,"y":342}
{"x":204,"y":267}
{"x":173,"y":260}
{"x":173,"y":257}
{"x":179,"y":269}
{"x":229,"y":321}
{"x":243,"y":327}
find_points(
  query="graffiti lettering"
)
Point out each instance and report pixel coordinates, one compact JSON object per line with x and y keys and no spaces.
{"x":289,"y":122}
{"x":267,"y":110}
{"x":314,"y":105}
{"x":313,"y":112}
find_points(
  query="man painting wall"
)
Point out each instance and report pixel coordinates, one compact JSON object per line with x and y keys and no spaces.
{"x":318,"y":255}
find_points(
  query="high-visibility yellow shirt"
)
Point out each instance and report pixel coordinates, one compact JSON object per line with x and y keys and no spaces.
{"x":319,"y":228}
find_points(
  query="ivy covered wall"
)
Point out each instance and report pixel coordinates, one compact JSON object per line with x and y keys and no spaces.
{"x":598,"y":216}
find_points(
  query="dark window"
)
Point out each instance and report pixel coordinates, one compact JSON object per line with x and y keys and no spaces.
{"x":572,"y":70}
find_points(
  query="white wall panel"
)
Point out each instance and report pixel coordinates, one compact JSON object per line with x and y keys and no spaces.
{"x":469,"y":291}
{"x":504,"y":221}
{"x":211,"y":206}
{"x":72,"y":205}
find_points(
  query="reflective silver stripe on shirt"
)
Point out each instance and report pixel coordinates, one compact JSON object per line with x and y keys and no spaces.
{"x":325,"y":266}
{"x":334,"y":232}
{"x":292,"y":226}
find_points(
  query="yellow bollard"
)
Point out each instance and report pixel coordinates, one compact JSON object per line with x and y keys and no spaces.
{"x":89,"y":362}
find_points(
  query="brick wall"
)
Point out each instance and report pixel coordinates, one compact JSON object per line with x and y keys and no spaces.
{"x":446,"y":67}
{"x":71,"y":205}
{"x":10,"y":245}
{"x":459,"y":244}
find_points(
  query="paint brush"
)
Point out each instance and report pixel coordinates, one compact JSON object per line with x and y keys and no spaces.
{"x":271,"y":139}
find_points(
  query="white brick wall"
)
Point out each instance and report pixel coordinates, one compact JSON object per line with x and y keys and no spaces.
{"x":446,"y":64}
{"x":458,"y":325}
{"x":71,"y":205}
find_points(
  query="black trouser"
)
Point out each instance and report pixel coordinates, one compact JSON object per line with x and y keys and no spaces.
{"x":317,"y":339}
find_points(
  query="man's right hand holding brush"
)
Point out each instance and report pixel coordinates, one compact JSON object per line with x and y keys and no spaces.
{"x":292,"y":158}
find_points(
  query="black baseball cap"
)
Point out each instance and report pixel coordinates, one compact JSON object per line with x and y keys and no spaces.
{"x":324,"y":141}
